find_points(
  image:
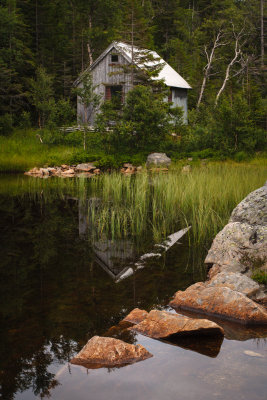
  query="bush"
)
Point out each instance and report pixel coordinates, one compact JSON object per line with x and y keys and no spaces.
{"x":241,"y":156}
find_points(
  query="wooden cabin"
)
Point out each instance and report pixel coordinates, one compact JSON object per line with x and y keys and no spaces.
{"x":111,"y":77}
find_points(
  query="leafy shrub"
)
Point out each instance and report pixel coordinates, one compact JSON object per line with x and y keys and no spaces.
{"x":241,"y":156}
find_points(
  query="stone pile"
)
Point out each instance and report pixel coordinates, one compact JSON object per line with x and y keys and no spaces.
{"x":130,"y":169}
{"x":85,"y":170}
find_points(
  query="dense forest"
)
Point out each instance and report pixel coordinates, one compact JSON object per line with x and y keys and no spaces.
{"x":216,"y":45}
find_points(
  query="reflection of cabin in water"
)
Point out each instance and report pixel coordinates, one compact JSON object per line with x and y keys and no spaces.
{"x":113,"y":256}
{"x":112,"y":76}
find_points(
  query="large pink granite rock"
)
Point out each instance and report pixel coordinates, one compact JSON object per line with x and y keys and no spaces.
{"x":163,"y":324}
{"x":136,"y":316}
{"x":107,"y":352}
{"x":220,"y":301}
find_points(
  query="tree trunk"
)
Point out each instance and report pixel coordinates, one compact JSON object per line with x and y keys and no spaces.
{"x":210,"y":58}
{"x":262,"y":35}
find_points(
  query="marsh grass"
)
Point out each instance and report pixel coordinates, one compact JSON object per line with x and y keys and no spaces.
{"x":164,"y":203}
{"x":148,"y":206}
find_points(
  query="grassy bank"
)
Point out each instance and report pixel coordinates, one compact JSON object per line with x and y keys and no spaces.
{"x":23,"y":150}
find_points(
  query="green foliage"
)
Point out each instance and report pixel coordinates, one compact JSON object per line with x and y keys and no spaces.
{"x":42,"y":96}
{"x":260,"y":277}
{"x":142,"y":123}
{"x":87,"y":96}
{"x":25,"y":120}
{"x":6,"y":124}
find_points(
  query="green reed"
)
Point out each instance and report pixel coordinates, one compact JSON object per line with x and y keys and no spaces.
{"x":163,"y":203}
{"x":151,"y":206}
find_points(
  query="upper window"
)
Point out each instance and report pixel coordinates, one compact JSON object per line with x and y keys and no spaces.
{"x":114,"y":58}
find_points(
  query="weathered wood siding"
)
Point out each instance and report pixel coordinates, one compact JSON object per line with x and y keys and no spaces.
{"x":106,"y":73}
{"x":179,"y":99}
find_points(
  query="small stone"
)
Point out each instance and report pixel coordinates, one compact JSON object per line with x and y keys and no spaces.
{"x":68,"y":172}
{"x":65,"y":166}
{"x":97,"y":171}
{"x":108,"y":352}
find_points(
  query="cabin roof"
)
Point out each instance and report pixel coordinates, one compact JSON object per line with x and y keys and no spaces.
{"x":167,"y":73}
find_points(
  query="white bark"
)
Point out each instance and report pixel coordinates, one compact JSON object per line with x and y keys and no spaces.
{"x":235,"y":59}
{"x":210,"y":59}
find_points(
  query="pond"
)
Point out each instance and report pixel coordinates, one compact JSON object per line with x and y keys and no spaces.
{"x":59,"y":266}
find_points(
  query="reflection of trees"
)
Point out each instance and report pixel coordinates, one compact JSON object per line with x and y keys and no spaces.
{"x":54,"y":297}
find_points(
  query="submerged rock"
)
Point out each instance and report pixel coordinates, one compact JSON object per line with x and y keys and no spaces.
{"x":107,"y":352}
{"x":235,"y":281}
{"x":162,"y":324}
{"x":158,"y":159}
{"x":220,"y":301}
{"x":136,"y":316}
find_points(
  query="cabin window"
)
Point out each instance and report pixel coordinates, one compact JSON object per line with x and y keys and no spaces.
{"x":114,"y":58}
{"x":115,"y":93}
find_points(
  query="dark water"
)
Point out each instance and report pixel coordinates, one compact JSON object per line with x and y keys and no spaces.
{"x":58,"y":289}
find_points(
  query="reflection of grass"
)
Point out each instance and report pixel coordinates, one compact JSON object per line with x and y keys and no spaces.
{"x":22,"y":152}
{"x":161,"y":204}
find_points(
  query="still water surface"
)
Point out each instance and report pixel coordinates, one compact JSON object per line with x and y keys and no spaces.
{"x":58,"y":289}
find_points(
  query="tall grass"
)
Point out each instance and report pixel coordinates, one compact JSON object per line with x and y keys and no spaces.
{"x":146,"y":206}
{"x":203,"y":199}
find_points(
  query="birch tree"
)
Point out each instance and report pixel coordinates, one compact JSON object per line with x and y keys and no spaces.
{"x":210,"y":60}
{"x":235,"y":59}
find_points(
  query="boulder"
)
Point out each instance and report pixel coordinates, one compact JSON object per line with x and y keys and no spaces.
{"x":235,"y":281}
{"x":136,"y":316}
{"x":162,"y":324}
{"x":238,"y":246}
{"x":222,"y":302}
{"x":108,"y":352}
{"x":253,"y":209}
{"x":85,"y":167}
{"x":158,"y":159}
